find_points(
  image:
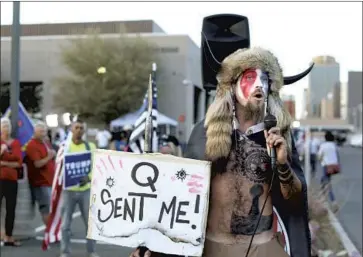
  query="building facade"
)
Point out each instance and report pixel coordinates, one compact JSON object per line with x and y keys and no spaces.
{"x":354,"y":97}
{"x":322,"y":79}
{"x":343,"y":100}
{"x":40,"y":48}
{"x":289,"y":103}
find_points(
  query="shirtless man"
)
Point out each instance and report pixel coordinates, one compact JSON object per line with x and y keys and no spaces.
{"x":234,"y":140}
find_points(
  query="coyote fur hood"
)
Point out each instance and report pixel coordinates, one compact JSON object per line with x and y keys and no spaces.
{"x":219,"y":117}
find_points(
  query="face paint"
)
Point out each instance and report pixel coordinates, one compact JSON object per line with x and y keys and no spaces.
{"x":250,"y":80}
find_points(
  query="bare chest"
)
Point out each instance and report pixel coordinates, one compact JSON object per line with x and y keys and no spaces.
{"x":238,"y":194}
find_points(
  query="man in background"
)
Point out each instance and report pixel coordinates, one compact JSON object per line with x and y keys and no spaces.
{"x":40,"y":162}
{"x":77,"y":195}
{"x":103,"y":138}
{"x":314,"y":148}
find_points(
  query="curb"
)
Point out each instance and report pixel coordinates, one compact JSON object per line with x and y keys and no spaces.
{"x":347,"y":243}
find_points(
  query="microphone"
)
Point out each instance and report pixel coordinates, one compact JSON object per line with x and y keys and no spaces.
{"x":270,"y":122}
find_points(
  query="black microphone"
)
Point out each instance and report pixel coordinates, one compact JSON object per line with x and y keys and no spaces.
{"x":270,"y":122}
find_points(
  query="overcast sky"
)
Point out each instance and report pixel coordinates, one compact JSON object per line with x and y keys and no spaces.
{"x":294,"y":32}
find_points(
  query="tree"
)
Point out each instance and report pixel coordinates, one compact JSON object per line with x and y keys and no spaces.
{"x":117,"y":88}
{"x":30,"y":96}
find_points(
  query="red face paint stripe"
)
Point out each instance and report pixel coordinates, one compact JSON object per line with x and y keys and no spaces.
{"x":247,"y":82}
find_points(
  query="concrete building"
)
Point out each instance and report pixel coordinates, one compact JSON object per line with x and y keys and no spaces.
{"x":336,"y":100}
{"x":289,"y":103}
{"x":354,"y":97}
{"x":179,"y":61}
{"x":327,"y":107}
{"x":306,"y":105}
{"x":322,"y":80}
{"x":343,"y":101}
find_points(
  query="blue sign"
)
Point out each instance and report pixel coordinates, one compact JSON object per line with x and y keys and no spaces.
{"x":76,"y":166}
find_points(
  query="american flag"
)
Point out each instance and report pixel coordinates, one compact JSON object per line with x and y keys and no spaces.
{"x":137,"y":137}
{"x":53,"y":228}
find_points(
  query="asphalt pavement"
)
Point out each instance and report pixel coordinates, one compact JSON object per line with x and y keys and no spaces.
{"x":348,"y":191}
{"x":347,"y":187}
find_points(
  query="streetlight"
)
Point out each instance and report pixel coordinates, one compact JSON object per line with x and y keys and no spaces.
{"x":52,"y":120}
{"x":101,"y":70}
{"x":66,"y":118}
{"x":187,"y":82}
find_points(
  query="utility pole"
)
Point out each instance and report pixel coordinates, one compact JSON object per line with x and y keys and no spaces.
{"x":15,"y":67}
{"x":307,"y":155}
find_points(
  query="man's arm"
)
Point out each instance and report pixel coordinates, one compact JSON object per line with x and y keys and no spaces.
{"x":292,"y":180}
{"x":13,"y":159}
{"x":290,"y":184}
{"x":34,"y":155}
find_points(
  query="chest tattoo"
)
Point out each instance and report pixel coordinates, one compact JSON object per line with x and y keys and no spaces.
{"x":252,"y":161}
{"x":245,"y":225}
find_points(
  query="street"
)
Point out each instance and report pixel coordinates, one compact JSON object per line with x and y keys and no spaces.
{"x":347,"y":187}
{"x":348,"y":190}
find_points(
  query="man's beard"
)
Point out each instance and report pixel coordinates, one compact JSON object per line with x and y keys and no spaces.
{"x":252,"y":112}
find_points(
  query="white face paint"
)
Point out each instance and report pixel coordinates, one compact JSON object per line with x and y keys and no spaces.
{"x":252,"y":83}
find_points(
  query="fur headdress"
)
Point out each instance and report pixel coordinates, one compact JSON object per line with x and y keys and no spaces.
{"x":219,"y":117}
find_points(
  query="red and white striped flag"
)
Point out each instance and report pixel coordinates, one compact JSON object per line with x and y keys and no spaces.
{"x":53,"y":229}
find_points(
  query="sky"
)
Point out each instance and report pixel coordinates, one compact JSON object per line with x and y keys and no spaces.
{"x":294,"y":31}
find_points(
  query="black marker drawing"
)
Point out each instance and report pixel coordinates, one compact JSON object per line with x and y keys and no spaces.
{"x":110,"y":182}
{"x":181,"y":174}
{"x":150,"y":181}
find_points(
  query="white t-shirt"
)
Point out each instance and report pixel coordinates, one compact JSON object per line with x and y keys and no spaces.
{"x":102,"y":138}
{"x":314,"y":145}
{"x":328,"y":153}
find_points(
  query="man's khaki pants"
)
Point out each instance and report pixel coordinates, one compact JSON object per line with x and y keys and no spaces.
{"x":273,"y":248}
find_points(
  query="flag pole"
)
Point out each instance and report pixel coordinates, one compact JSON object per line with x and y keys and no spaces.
{"x":15,"y":66}
{"x":148,"y":147}
{"x":149,"y":120}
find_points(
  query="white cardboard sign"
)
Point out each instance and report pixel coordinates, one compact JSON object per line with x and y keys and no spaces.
{"x":153,"y":200}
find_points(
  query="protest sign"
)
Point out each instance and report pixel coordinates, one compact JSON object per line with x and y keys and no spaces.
{"x":76,"y":166}
{"x":153,"y":200}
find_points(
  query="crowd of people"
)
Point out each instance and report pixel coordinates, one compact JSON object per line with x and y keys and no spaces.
{"x":39,"y":156}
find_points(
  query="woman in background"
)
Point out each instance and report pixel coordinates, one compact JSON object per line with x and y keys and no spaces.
{"x":329,"y":158}
{"x":10,"y":164}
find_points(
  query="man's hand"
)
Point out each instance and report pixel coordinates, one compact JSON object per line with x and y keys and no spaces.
{"x":51,"y":154}
{"x":4,"y":148}
{"x":84,"y":180}
{"x":136,"y":253}
{"x":274,"y":139}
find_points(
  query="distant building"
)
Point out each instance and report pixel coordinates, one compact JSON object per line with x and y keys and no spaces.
{"x":322,"y":79}
{"x":336,"y":101}
{"x":179,"y":61}
{"x":327,"y":107}
{"x":354,"y":95}
{"x":289,"y":103}
{"x":344,"y":100}
{"x":306,"y":105}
